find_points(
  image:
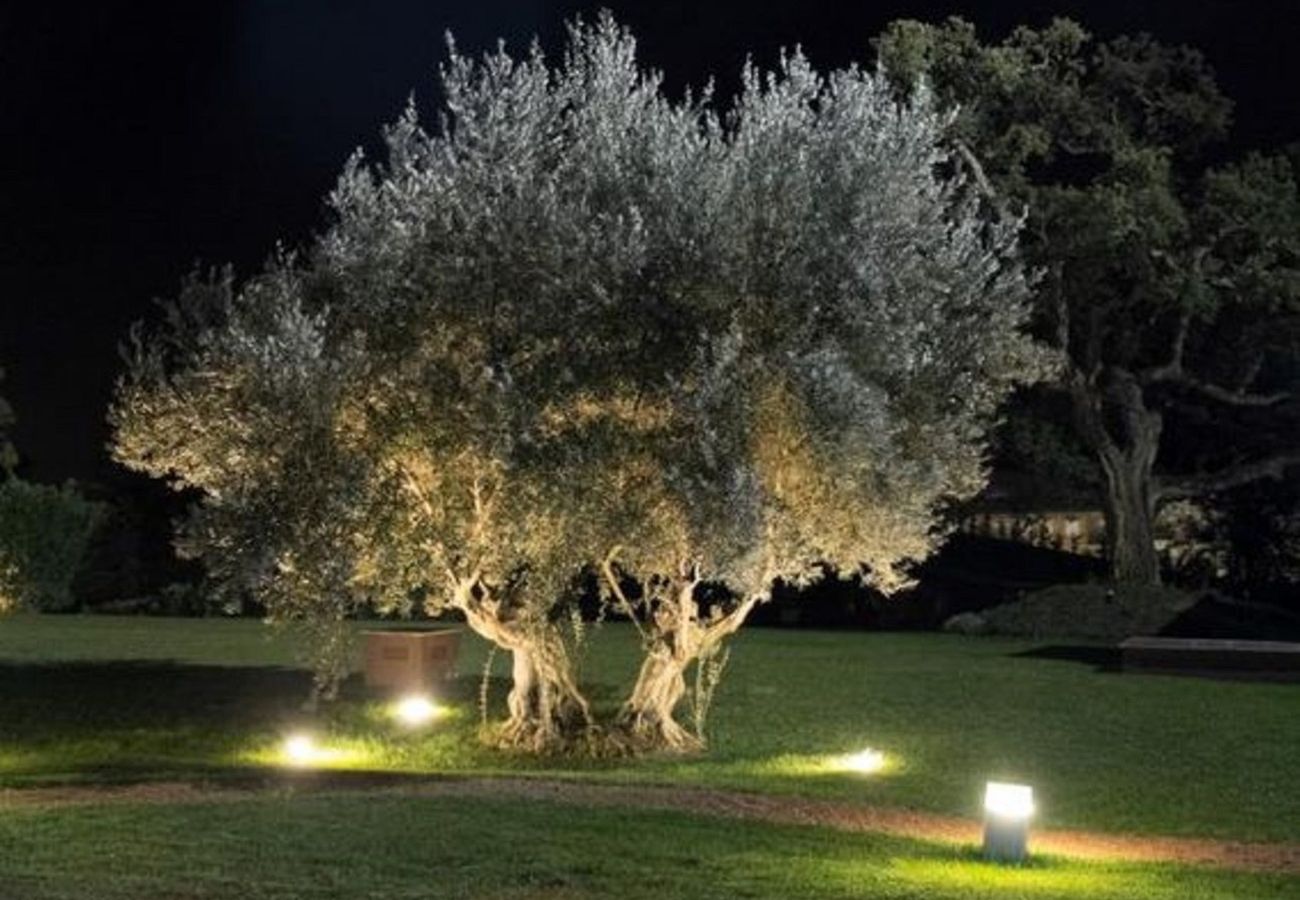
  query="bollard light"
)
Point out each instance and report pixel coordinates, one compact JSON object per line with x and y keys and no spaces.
{"x":1007,"y":810}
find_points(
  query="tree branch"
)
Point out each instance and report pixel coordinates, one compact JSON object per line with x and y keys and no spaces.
{"x":1087,"y":408}
{"x":1173,"y":372}
{"x":1249,"y":374}
{"x":1233,"y":398}
{"x":727,"y":624}
{"x":1228,"y":478}
{"x":1173,"y":369}
{"x":1176,"y":376}
{"x":1062,"y":311}
{"x":981,"y":180}
{"x":611,"y":578}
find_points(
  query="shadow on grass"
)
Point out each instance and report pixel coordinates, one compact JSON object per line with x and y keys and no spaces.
{"x":75,"y":699}
{"x":121,"y":722}
{"x":1102,"y":659}
{"x":49,"y":700}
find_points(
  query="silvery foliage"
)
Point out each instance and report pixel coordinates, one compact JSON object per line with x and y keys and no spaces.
{"x":871,"y":298}
{"x":240,"y":395}
{"x":525,"y":270}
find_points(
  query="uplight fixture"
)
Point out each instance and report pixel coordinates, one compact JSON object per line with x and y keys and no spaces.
{"x":866,"y":761}
{"x":301,"y":750}
{"x":415,"y":710}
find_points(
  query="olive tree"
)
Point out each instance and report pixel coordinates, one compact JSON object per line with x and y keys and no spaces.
{"x":521,"y":270}
{"x":582,"y":326}
{"x":473,"y":317}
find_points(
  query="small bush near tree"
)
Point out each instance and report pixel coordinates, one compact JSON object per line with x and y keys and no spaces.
{"x":1097,"y":611}
{"x":1261,"y":525}
{"x":44,"y":533}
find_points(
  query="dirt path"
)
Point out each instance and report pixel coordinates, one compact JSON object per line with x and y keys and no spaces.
{"x":1282,"y":858}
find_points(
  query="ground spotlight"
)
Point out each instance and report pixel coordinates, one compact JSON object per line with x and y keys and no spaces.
{"x":415,"y":710}
{"x":866,"y":761}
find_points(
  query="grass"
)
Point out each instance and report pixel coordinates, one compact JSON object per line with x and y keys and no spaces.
{"x":393,"y":846}
{"x":103,"y":698}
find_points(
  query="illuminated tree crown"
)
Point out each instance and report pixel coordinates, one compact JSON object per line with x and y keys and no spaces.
{"x":582,"y":326}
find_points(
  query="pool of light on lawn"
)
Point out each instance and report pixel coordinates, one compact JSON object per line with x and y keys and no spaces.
{"x":863,"y":763}
{"x":375,"y":736}
{"x":1045,"y":876}
{"x":310,"y":750}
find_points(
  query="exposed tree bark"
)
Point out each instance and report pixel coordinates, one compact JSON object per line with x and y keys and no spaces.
{"x":1124,"y":433}
{"x":1130,"y":510}
{"x":675,"y":637}
{"x":547,"y":710}
{"x":648,"y":716}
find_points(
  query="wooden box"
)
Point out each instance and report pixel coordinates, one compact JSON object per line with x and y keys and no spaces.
{"x":409,"y":660}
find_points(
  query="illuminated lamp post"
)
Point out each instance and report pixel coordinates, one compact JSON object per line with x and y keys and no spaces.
{"x":1007,"y":810}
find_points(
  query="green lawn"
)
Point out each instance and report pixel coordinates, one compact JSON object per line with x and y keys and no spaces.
{"x":96,"y":698}
{"x":385,"y":846}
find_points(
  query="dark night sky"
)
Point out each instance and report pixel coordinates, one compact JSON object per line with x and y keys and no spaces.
{"x":137,"y":138}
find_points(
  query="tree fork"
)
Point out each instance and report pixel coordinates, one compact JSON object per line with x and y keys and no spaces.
{"x":676,"y":638}
{"x":547,"y":710}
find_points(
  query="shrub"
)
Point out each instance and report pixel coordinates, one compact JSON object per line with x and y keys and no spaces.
{"x":1100,"y":611}
{"x":44,"y":532}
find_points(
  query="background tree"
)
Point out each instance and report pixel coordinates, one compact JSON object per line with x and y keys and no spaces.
{"x":1173,"y":287}
{"x":44,"y":533}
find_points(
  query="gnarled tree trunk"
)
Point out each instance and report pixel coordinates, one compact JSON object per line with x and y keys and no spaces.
{"x":648,"y":716}
{"x":547,"y":710}
{"x":675,"y":638}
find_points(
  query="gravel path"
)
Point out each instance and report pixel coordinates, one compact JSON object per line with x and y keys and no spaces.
{"x":1241,"y":855}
